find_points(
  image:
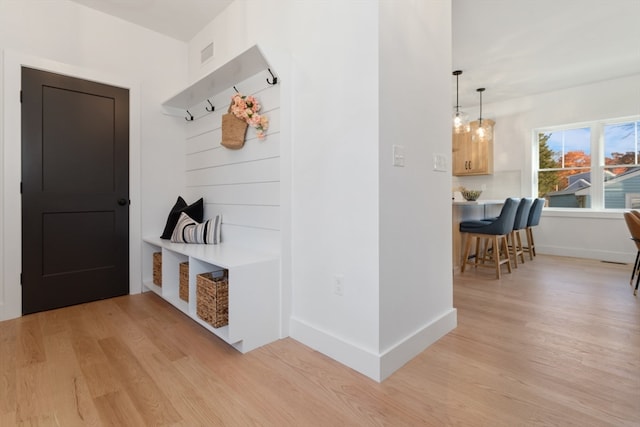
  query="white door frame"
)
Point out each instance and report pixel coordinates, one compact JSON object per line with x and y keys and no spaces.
{"x":10,"y":159}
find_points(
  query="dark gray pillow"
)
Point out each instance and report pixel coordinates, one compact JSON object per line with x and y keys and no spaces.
{"x":195,"y":211}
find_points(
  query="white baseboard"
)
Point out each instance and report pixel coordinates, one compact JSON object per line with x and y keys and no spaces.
{"x":588,"y":253}
{"x":360,"y":359}
{"x":395,"y":357}
{"x":376,"y":366}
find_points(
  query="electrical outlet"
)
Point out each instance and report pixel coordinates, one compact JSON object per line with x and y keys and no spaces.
{"x":338,"y":284}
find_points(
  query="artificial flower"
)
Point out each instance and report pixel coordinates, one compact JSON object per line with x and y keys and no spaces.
{"x":246,"y":108}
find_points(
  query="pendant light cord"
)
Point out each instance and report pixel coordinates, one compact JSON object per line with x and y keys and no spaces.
{"x":457,"y":74}
{"x":457,"y":89}
{"x":480,"y":118}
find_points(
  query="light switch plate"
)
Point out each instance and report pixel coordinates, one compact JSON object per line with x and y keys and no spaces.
{"x":439,"y":162}
{"x":398,"y":155}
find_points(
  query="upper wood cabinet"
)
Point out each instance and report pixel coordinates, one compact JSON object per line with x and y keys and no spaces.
{"x":472,"y":156}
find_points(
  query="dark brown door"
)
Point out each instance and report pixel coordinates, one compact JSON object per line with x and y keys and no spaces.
{"x":75,"y":191}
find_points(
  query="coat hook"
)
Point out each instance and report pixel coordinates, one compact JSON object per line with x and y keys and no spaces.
{"x":234,"y":88}
{"x":274,"y":79}
{"x":212,"y":107}
{"x":190,"y":118}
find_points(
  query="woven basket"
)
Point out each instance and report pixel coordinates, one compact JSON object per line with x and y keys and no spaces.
{"x":213,"y":298}
{"x":183,"y":290}
{"x":234,"y":131}
{"x":157,"y":268}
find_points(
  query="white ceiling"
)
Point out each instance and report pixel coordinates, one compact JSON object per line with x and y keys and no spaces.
{"x":513,"y":48}
{"x":180,"y":19}
{"x":521,"y":47}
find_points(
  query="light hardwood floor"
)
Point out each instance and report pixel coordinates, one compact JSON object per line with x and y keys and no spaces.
{"x":555,"y":343}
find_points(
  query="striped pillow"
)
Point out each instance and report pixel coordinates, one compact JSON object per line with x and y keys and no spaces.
{"x":189,"y":231}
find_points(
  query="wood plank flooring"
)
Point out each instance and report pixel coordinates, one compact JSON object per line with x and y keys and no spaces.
{"x":556,"y":343}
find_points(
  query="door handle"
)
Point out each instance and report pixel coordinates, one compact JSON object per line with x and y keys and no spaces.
{"x":122,"y":201}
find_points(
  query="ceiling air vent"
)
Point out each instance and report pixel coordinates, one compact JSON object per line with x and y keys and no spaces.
{"x":206,"y":53}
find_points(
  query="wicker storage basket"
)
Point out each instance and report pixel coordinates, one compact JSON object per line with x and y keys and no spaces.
{"x":157,"y":268}
{"x":183,"y":290}
{"x":213,"y":298}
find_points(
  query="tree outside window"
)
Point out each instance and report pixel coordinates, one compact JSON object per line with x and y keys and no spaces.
{"x":565,"y":167}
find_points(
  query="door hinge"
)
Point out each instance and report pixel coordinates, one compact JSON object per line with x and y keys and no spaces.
{"x":20,"y":97}
{"x":21,"y":278}
{"x":20,"y":187}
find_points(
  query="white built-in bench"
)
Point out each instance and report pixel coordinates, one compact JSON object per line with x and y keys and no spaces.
{"x":254,"y":287}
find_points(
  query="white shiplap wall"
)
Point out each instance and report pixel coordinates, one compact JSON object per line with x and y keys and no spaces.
{"x":241,"y":185}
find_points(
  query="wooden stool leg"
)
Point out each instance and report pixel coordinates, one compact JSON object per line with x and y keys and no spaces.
{"x":506,"y":253}
{"x":488,"y":252}
{"x":512,"y":246}
{"x":519,"y":247}
{"x":477,"y":254}
{"x":532,"y":243}
{"x":465,"y":256}
{"x":527,"y":232}
{"x":496,"y":254}
{"x":485,"y":250}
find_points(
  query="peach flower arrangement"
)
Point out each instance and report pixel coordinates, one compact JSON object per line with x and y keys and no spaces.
{"x":246,"y":108}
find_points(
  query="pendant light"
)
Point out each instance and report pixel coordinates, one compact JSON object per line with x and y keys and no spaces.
{"x":460,"y":118}
{"x":484,"y":130}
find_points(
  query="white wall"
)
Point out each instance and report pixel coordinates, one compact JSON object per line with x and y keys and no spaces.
{"x":64,"y":37}
{"x":241,"y":185}
{"x":416,"y":296}
{"x":333,"y":135}
{"x":333,"y":143}
{"x":335,"y":181}
{"x":587,"y":234}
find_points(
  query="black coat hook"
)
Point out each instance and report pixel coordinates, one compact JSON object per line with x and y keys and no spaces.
{"x":234,"y":88}
{"x":190,"y":118}
{"x":212,"y":107}
{"x":274,"y":79}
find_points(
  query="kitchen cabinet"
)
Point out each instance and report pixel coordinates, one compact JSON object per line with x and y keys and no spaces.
{"x":472,"y":156}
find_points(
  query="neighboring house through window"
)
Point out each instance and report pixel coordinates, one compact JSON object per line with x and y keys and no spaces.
{"x":591,"y":165}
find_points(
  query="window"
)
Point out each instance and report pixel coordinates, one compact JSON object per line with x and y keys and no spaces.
{"x":595,"y":165}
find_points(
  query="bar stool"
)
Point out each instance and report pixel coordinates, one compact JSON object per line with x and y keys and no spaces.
{"x":490,"y":232}
{"x":520,"y":223}
{"x":534,"y":219}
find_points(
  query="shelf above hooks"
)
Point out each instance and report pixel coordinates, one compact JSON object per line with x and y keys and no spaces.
{"x":243,"y":66}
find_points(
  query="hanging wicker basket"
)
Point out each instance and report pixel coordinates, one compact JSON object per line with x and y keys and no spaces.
{"x":234,"y":131}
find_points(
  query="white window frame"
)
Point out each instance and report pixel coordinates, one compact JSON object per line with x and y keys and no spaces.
{"x":597,"y":158}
